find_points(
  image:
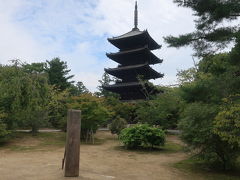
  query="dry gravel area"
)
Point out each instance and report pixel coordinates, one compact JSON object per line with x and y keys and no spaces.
{"x":106,"y":161}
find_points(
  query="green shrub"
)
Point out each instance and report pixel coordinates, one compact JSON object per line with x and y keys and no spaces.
{"x":3,"y":132}
{"x":227,"y":122}
{"x":203,"y":134}
{"x":162,"y":110}
{"x":227,"y":127}
{"x":117,"y":125}
{"x":142,"y":136}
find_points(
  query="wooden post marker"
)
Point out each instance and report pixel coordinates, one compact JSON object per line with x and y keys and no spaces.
{"x":73,"y":143}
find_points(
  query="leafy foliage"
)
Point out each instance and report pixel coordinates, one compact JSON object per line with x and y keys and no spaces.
{"x":117,"y":125}
{"x":125,"y":110}
{"x":202,"y":120}
{"x":209,"y":126}
{"x":196,"y":123}
{"x":142,"y":136}
{"x":34,"y":112}
{"x":93,"y":113}
{"x":3,"y":132}
{"x":57,"y":108}
{"x":227,"y":121}
{"x":23,"y":97}
{"x":164,"y":110}
{"x":79,"y":88}
{"x":186,"y":76}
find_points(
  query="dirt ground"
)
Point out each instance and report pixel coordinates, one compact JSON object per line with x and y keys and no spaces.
{"x":97,"y":162}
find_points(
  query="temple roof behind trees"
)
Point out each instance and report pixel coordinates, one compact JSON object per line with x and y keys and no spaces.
{"x":135,"y":56}
{"x":132,"y":72}
{"x":133,"y":39}
{"x":133,"y":90}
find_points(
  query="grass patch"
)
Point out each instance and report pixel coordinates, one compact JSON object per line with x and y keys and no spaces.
{"x":171,"y":147}
{"x":43,"y":141}
{"x":52,"y":139}
{"x":202,"y":169}
{"x":97,"y":141}
{"x":22,"y":148}
{"x":24,"y":141}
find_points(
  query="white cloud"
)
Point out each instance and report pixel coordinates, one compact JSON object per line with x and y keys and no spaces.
{"x":77,"y":32}
{"x":89,"y":79}
{"x":15,"y":41}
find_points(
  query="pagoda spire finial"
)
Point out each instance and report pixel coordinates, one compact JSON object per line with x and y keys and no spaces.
{"x":136,"y":17}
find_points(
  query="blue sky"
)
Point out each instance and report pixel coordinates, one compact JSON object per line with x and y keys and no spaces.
{"x":77,"y":32}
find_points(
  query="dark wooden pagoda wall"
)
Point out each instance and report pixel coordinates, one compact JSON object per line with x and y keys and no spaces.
{"x":129,"y":50}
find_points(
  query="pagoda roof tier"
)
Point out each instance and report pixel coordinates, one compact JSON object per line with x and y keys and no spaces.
{"x":124,"y":87}
{"x":135,"y":56}
{"x":132,"y":91}
{"x":134,"y":39}
{"x":131,"y":72}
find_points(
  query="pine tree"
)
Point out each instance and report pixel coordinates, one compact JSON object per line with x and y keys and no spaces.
{"x":106,"y":80}
{"x":58,"y":74}
{"x":81,"y":88}
{"x":211,"y":33}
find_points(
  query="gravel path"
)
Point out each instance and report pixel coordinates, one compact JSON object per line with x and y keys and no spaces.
{"x":97,"y":162}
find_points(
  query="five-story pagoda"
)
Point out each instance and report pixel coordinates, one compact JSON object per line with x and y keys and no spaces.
{"x":134,"y":59}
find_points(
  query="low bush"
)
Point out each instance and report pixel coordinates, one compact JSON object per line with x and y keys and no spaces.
{"x":117,"y":125}
{"x":142,"y":136}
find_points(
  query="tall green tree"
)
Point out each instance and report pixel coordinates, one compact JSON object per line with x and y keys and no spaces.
{"x":204,"y":122}
{"x":163,"y":110}
{"x":106,"y":80}
{"x":11,"y":100}
{"x":57,"y":108}
{"x":23,"y":97}
{"x":34,"y":112}
{"x":81,"y":88}
{"x":34,"y":67}
{"x":94,"y":114}
{"x":217,"y":77}
{"x":58,"y":74}
{"x":78,"y":89}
